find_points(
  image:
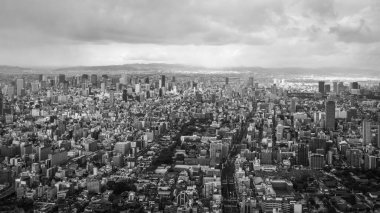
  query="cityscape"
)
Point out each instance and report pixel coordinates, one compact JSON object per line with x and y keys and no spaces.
{"x":191,"y":106}
{"x":188,"y":143}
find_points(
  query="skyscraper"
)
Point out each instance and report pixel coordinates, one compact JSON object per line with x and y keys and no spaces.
{"x":317,"y":161}
{"x":251,"y":82}
{"x":227,"y":80}
{"x":335,"y":87}
{"x":303,"y":154}
{"x":20,"y":86}
{"x":125,"y":95}
{"x":94,"y":79}
{"x":84,"y":77}
{"x":163,"y":82}
{"x":122,"y":148}
{"x":378,"y":136}
{"x":327,"y":88}
{"x":321,"y":87}
{"x":61,"y":78}
{"x":1,"y":104}
{"x":355,"y":85}
{"x":330,"y":115}
{"x":317,"y":143}
{"x":293,"y":105}
{"x":366,"y":132}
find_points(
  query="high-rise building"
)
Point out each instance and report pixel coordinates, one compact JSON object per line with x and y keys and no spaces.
{"x":61,"y":78}
{"x":293,"y":105}
{"x":303,"y":154}
{"x":327,"y":88}
{"x":378,"y":136}
{"x":163,"y":81}
{"x":58,"y":158}
{"x":94,"y":186}
{"x":122,"y":148}
{"x":330,"y":115}
{"x":369,"y":162}
{"x":355,"y":85}
{"x":266,"y":157}
{"x":125,"y":95}
{"x":317,"y":143}
{"x":321,"y":87}
{"x":317,"y":161}
{"x":251,"y":82}
{"x":353,"y":157}
{"x":1,"y":104}
{"x":335,"y":87}
{"x":20,"y":86}
{"x":227,"y":79}
{"x":366,"y":132}
{"x":84,"y":77}
{"x":137,"y":88}
{"x":94,"y":80}
{"x":43,"y":152}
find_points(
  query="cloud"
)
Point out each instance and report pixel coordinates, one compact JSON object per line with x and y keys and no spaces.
{"x":211,"y":33}
{"x":361,"y":27}
{"x":143,"y":21}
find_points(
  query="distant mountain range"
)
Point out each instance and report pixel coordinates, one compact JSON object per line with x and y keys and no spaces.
{"x":180,"y":68}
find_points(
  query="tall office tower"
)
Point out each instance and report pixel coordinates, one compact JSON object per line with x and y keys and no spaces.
{"x":20,"y":86}
{"x":340,"y":86}
{"x":94,"y":79}
{"x":61,"y":78}
{"x":317,"y":161}
{"x":369,"y":162}
{"x":122,"y":148}
{"x":147,"y":80}
{"x":251,"y":82}
{"x":104,"y":78}
{"x":84,"y":77}
{"x":112,"y":97}
{"x":335,"y":87}
{"x":378,"y":136}
{"x":317,"y":143}
{"x":266,"y":157}
{"x":40,"y":77}
{"x":1,"y":104}
{"x":227,"y":80}
{"x":163,"y":82}
{"x":366,"y":132}
{"x":327,"y":88}
{"x":173,"y":78}
{"x":355,"y":85}
{"x":137,"y":88}
{"x":321,"y":87}
{"x":353,"y":157}
{"x":65,"y":87}
{"x":293,"y":105}
{"x":125,"y":95}
{"x":330,"y":115}
{"x":303,"y":154}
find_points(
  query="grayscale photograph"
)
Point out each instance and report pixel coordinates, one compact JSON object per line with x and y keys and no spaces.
{"x":190,"y":106}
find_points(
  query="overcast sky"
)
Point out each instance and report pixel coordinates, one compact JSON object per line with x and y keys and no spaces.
{"x":268,"y":33}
